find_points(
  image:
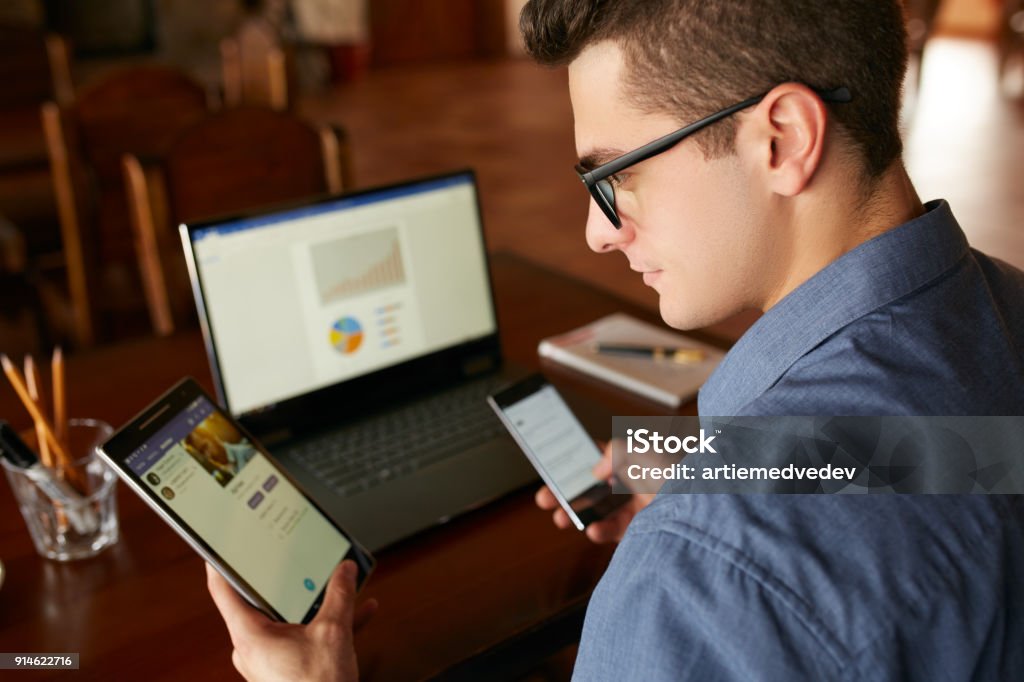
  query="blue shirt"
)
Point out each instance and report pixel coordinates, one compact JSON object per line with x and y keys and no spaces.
{"x":755,"y":587}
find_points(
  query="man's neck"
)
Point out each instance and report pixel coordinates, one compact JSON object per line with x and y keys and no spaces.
{"x":824,"y":227}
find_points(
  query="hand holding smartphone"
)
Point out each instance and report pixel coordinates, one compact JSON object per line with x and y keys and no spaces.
{"x":558,"y":447}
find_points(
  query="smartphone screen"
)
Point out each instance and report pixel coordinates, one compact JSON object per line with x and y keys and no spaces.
{"x":558,"y":446}
{"x":227,"y":492}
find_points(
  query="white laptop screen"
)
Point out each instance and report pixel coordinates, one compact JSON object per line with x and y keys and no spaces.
{"x":309,"y":297}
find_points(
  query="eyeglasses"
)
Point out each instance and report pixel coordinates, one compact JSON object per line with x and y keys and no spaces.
{"x":597,"y":179}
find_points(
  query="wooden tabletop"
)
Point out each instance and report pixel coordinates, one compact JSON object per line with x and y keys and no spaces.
{"x":496,"y":584}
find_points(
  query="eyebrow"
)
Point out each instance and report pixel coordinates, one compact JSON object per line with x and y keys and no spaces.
{"x":593,"y":159}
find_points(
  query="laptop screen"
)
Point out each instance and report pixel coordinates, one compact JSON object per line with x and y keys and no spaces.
{"x":307,"y":297}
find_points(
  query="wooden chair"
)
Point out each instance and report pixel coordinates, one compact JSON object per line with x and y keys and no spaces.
{"x":23,"y":321}
{"x":137,"y":110}
{"x":34,"y":69}
{"x":232,"y":161}
{"x":255,"y":67}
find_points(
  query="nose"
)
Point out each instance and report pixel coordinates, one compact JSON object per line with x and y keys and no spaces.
{"x":602,"y":236}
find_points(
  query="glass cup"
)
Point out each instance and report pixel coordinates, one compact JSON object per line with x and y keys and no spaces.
{"x":64,"y":524}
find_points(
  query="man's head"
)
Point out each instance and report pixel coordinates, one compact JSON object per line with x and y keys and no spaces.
{"x":708,"y":218}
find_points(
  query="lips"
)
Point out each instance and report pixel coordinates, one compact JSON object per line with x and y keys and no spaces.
{"x":651,"y":277}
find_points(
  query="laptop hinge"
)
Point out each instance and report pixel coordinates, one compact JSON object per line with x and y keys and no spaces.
{"x":481,"y":364}
{"x":275,"y":437}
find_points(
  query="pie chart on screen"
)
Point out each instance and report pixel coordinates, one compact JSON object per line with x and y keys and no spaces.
{"x":346,"y":335}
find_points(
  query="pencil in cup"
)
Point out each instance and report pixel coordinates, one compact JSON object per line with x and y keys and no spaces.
{"x":63,"y":461}
{"x":33,"y":385}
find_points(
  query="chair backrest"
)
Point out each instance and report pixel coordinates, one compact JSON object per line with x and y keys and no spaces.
{"x":254,"y":66}
{"x":235,"y":160}
{"x":139,"y":110}
{"x":33,"y":68}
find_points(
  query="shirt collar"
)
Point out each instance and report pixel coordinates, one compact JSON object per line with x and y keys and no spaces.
{"x":875,"y":273}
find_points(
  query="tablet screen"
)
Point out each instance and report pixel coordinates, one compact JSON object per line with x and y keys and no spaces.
{"x":239,"y":503}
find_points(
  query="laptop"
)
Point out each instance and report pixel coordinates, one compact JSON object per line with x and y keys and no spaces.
{"x":356,"y":337}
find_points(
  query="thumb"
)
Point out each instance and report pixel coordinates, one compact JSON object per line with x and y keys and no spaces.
{"x":340,"y":597}
{"x":603,"y":469}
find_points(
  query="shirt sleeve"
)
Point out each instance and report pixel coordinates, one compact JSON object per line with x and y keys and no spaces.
{"x":677,"y":607}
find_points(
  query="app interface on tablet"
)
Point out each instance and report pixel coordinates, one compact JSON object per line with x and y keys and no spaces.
{"x":241,"y":505}
{"x":557,"y":440}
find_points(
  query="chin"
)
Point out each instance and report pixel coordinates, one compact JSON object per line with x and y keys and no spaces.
{"x":684,"y":317}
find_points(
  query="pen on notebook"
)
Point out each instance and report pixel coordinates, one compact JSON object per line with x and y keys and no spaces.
{"x":683,"y":356}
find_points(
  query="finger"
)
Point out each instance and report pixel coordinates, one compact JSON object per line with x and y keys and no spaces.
{"x":364,"y":612}
{"x":603,"y":469}
{"x":340,"y":598}
{"x":605,"y":531}
{"x":561,"y":519}
{"x":545,"y":499}
{"x":612,"y":527}
{"x":241,"y":618}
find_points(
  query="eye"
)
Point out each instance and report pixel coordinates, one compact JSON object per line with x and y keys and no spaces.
{"x":618,"y":179}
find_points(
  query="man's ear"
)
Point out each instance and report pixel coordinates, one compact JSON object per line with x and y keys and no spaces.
{"x":787,"y":132}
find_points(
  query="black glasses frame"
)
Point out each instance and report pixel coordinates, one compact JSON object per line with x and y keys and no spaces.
{"x":603,"y":191}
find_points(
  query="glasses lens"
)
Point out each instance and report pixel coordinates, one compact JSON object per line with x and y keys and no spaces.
{"x":604,"y":194}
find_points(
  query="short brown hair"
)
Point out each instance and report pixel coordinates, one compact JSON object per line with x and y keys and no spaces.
{"x":689,"y":58}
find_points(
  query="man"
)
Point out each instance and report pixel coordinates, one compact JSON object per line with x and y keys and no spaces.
{"x":790,"y":196}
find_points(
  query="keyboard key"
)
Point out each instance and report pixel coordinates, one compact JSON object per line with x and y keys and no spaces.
{"x":397,"y":443}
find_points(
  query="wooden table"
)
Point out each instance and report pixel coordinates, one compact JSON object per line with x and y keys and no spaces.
{"x":478,"y":598}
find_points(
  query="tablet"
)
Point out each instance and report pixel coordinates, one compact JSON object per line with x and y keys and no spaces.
{"x":232,"y":502}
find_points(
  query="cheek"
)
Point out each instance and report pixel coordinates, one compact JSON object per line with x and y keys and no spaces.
{"x":721,"y":222}
{"x":710,"y":247}
{"x":691,"y":227}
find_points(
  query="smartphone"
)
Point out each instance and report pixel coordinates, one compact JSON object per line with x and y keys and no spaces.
{"x":228,"y":498}
{"x":558,"y":447}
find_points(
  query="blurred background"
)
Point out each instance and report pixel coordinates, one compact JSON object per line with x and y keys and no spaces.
{"x":121,"y":118}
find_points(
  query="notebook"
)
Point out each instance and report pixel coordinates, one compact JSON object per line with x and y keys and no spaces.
{"x":663,"y":381}
{"x":356,"y":337}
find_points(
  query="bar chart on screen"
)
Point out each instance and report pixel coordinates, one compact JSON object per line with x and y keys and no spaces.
{"x":358,"y":264}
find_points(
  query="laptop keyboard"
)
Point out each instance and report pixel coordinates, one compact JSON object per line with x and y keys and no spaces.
{"x":397,"y":443}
